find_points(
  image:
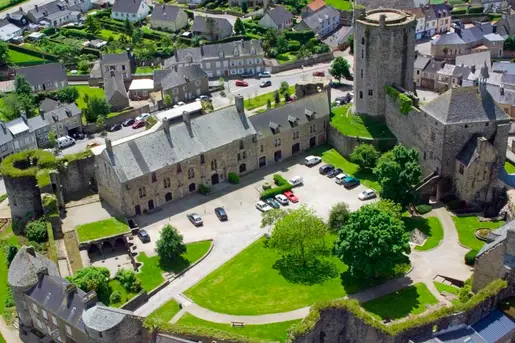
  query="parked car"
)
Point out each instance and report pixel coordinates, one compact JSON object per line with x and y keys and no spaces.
{"x":143,"y":236}
{"x":195,"y":219}
{"x":115,"y":127}
{"x":143,"y":116}
{"x":262,"y":206}
{"x":334,"y":172}
{"x":92,"y":145}
{"x":319,"y":73}
{"x":266,"y":83}
{"x":340,"y":100}
{"x":350,"y":182}
{"x":221,"y":214}
{"x":290,"y":196}
{"x":78,"y":135}
{"x":312,"y":160}
{"x":204,"y":98}
{"x":296,"y":181}
{"x":326,"y":168}
{"x":367,"y":194}
{"x":282,"y":199}
{"x":340,"y":177}
{"x":128,"y":122}
{"x":265,"y":74}
{"x":181,"y":103}
{"x":272,"y":203}
{"x":138,"y":123}
{"x":241,"y":83}
{"x":65,"y":141}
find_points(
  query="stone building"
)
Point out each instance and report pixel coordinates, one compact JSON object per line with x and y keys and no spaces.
{"x":181,"y":84}
{"x":59,"y":311}
{"x":384,"y":53}
{"x":115,"y":92}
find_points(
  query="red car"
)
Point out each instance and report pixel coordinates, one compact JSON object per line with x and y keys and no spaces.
{"x":138,"y":123}
{"x":241,"y":83}
{"x":319,"y":73}
{"x":292,"y":197}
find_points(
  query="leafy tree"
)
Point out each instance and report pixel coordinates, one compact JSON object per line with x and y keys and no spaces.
{"x":96,"y":107}
{"x":83,"y":66}
{"x":365,"y":155}
{"x":12,"y":250}
{"x":15,"y":104}
{"x":128,"y":27}
{"x":299,"y":234}
{"x":137,"y":36}
{"x":350,"y":41}
{"x":115,"y":297}
{"x":52,"y":139}
{"x":4,"y":53}
{"x":268,"y":104}
{"x":68,"y":94}
{"x":340,"y":68}
{"x":244,"y":6}
{"x":338,"y":216}
{"x":286,"y":96}
{"x":277,"y":98}
{"x":221,"y":83}
{"x":269,"y":218}
{"x":21,"y":85}
{"x":100,"y":121}
{"x":170,"y":244}
{"x":167,"y":100}
{"x":36,"y":231}
{"x":283,"y":87}
{"x":239,"y":28}
{"x":304,"y":52}
{"x":372,"y":243}
{"x":92,"y":279}
{"x":282,"y":44}
{"x":92,"y":25}
{"x":397,"y":172}
{"x":129,"y":280}
{"x":270,"y":39}
{"x":391,"y":207}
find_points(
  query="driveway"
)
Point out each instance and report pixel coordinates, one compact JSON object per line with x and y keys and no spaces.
{"x":243,"y":227}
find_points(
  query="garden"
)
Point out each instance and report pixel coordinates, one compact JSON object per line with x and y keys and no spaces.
{"x":467,"y":226}
{"x":267,"y":99}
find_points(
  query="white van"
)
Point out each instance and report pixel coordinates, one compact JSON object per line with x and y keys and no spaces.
{"x":312,"y":160}
{"x":340,"y":177}
{"x":296,"y":180}
{"x":65,"y":141}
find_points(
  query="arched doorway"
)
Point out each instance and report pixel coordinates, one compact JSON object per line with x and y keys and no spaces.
{"x":312,"y":141}
{"x":137,"y":209}
{"x":106,"y":245}
{"x":295,"y":148}
{"x":192,"y":187}
{"x":168,"y":196}
{"x":150,"y":204}
{"x":215,"y":179}
{"x":243,"y":168}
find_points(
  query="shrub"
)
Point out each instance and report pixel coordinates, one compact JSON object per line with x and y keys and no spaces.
{"x":423,"y":208}
{"x":338,"y":216}
{"x":293,"y":45}
{"x":267,"y":185}
{"x":9,"y":300}
{"x":115,"y":297}
{"x":203,"y":189}
{"x":301,"y":36}
{"x":211,"y":6}
{"x":272,"y":192}
{"x":470,"y":257}
{"x":465,"y":293}
{"x":12,"y":250}
{"x":233,"y":178}
{"x":405,"y":103}
{"x":279,"y":180}
{"x":129,"y":280}
{"x":459,"y":10}
{"x":36,"y":231}
{"x":476,"y":9}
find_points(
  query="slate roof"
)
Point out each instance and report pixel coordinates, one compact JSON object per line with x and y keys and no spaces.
{"x":102,"y":318}
{"x":17,"y":126}
{"x":464,"y":105}
{"x":52,"y":7}
{"x":127,"y":6}
{"x":201,"y":25}
{"x":165,"y":12}
{"x":121,"y":57}
{"x":468,"y":151}
{"x":494,"y":327}
{"x":48,"y":105}
{"x":429,"y":13}
{"x":494,"y":37}
{"x":448,"y":39}
{"x":433,"y":67}
{"x":448,"y":69}
{"x":156,"y":150}
{"x":5,"y":135}
{"x":501,"y":236}
{"x":477,"y":59}
{"x":281,"y":116}
{"x":50,"y":293}
{"x":182,"y":76}
{"x":504,"y":66}
{"x":417,"y":12}
{"x":279,"y":15}
{"x":26,"y":265}
{"x":43,"y":73}
{"x":59,"y":113}
{"x":314,"y":20}
{"x":114,"y":85}
{"x":442,"y":10}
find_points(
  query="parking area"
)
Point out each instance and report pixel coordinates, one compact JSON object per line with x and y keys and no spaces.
{"x":318,"y":192}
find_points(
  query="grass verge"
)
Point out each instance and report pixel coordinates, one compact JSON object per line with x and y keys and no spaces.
{"x":261,"y":100}
{"x":103,"y":228}
{"x":72,"y":248}
{"x":430,"y":226}
{"x":358,"y":126}
{"x":166,"y":312}
{"x":509,"y":167}
{"x":467,"y":226}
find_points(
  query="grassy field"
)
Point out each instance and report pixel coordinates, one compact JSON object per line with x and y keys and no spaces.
{"x":358,"y":126}
{"x":257,"y":281}
{"x":17,"y":57}
{"x":467,"y":226}
{"x":166,"y":312}
{"x":261,"y":100}
{"x":151,"y":274}
{"x":430,"y":226}
{"x":105,"y":34}
{"x":285,"y":58}
{"x":409,"y":300}
{"x":102,"y":228}
{"x":343,"y":5}
{"x":509,"y":167}
{"x":331,"y":156}
{"x":125,"y":295}
{"x":275,"y":332}
{"x":90,"y":91}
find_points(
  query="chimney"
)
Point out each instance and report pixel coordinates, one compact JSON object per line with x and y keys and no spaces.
{"x":23,"y":115}
{"x":473,"y":69}
{"x":501,"y":89}
{"x":109,"y":146}
{"x":68,"y":112}
{"x":90,"y":299}
{"x":20,"y":9}
{"x":187,"y":121}
{"x":30,"y":250}
{"x":238,"y":98}
{"x":70,"y":289}
{"x":36,"y":7}
{"x":166,"y":125}
{"x":42,"y":113}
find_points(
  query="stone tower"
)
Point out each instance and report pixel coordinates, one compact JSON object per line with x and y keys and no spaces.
{"x":106,"y":324}
{"x":384,"y":53}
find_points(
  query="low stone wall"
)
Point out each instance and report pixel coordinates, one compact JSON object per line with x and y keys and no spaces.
{"x":346,"y":144}
{"x":77,"y":78}
{"x":277,"y":68}
{"x":135,"y":302}
{"x":93,"y":128}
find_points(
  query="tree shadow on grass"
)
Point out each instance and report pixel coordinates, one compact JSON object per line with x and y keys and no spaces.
{"x":175,"y":265}
{"x":420,"y":223}
{"x":353,"y":284}
{"x":394,"y":305}
{"x":315,"y":272}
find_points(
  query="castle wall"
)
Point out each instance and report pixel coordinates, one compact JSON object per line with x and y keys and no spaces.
{"x":109,"y":187}
{"x":346,"y":144}
{"x":488,"y":267}
{"x":24,"y":196}
{"x":77,"y":176}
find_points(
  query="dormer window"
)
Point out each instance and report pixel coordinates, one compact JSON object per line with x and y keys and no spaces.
{"x":309,"y":114}
{"x":293,"y":120}
{"x":274,"y":127}
{"x":220,"y":53}
{"x":252,"y":51}
{"x":236,"y":52}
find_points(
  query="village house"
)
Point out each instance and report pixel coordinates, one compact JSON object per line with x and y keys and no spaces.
{"x":278,"y":18}
{"x":44,"y":77}
{"x":322,"y":22}
{"x":132,"y":10}
{"x":182,"y":84}
{"x":211,"y":28}
{"x":168,"y":18}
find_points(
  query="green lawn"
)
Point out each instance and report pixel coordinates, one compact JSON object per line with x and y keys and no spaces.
{"x":17,"y":57}
{"x":430,"y":226}
{"x":285,"y":58}
{"x":358,"y":126}
{"x":441,"y":287}
{"x":146,"y":69}
{"x":90,"y":91}
{"x":102,"y":228}
{"x":468,"y":225}
{"x":115,"y":285}
{"x":509,"y":167}
{"x":343,"y":5}
{"x":262,"y":99}
{"x":409,"y":300}
{"x":151,"y":272}
{"x":166,"y":312}
{"x":105,"y":34}
{"x":331,"y":156}
{"x":256,"y":282}
{"x":275,"y":332}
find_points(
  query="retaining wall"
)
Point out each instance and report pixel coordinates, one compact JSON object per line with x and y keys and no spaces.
{"x":77,"y":176}
{"x":346,"y":144}
{"x":93,"y":128}
{"x":277,"y":68}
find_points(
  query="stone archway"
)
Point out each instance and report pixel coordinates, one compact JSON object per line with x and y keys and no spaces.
{"x":192,"y":187}
{"x":215,"y":179}
{"x":168,"y":196}
{"x":243,"y":168}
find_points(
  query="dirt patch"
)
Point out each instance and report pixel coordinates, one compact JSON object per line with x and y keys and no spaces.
{"x":72,"y":248}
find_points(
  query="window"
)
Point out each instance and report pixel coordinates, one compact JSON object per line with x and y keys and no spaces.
{"x":462,"y":169}
{"x":362,"y":53}
{"x":296,"y":135}
{"x":277,"y":142}
{"x":35,"y":308}
{"x":424,"y":155}
{"x":123,"y":67}
{"x":214,"y":165}
{"x":166,"y":182}
{"x":191,"y":173}
{"x":361,"y":94}
{"x":179,"y":168}
{"x":262,"y":148}
{"x":244,"y":155}
{"x":361,"y":73}
{"x":142,"y":192}
{"x":313,"y":129}
{"x":68,"y":330}
{"x":241,"y":144}
{"x":362,"y":40}
{"x":154,"y":177}
{"x":45,"y":315}
{"x":370,"y":92}
{"x":38,"y":322}
{"x":202,"y":160}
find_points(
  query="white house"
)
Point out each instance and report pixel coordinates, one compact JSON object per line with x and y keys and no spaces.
{"x":431,"y":20}
{"x":421,"y":22}
{"x":133,"y":10}
{"x":9,"y":31}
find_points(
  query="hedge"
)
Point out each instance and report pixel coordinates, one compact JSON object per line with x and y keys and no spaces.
{"x":423,"y":208}
{"x":302,"y":36}
{"x":33,"y":52}
{"x":459,"y":10}
{"x":11,"y":3}
{"x":353,"y":306}
{"x":77,"y":34}
{"x":233,"y":178}
{"x":38,"y":159}
{"x":251,"y":26}
{"x":405,"y":103}
{"x":282,"y":186}
{"x":230,"y":39}
{"x":476,"y":9}
{"x":470,"y":257}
